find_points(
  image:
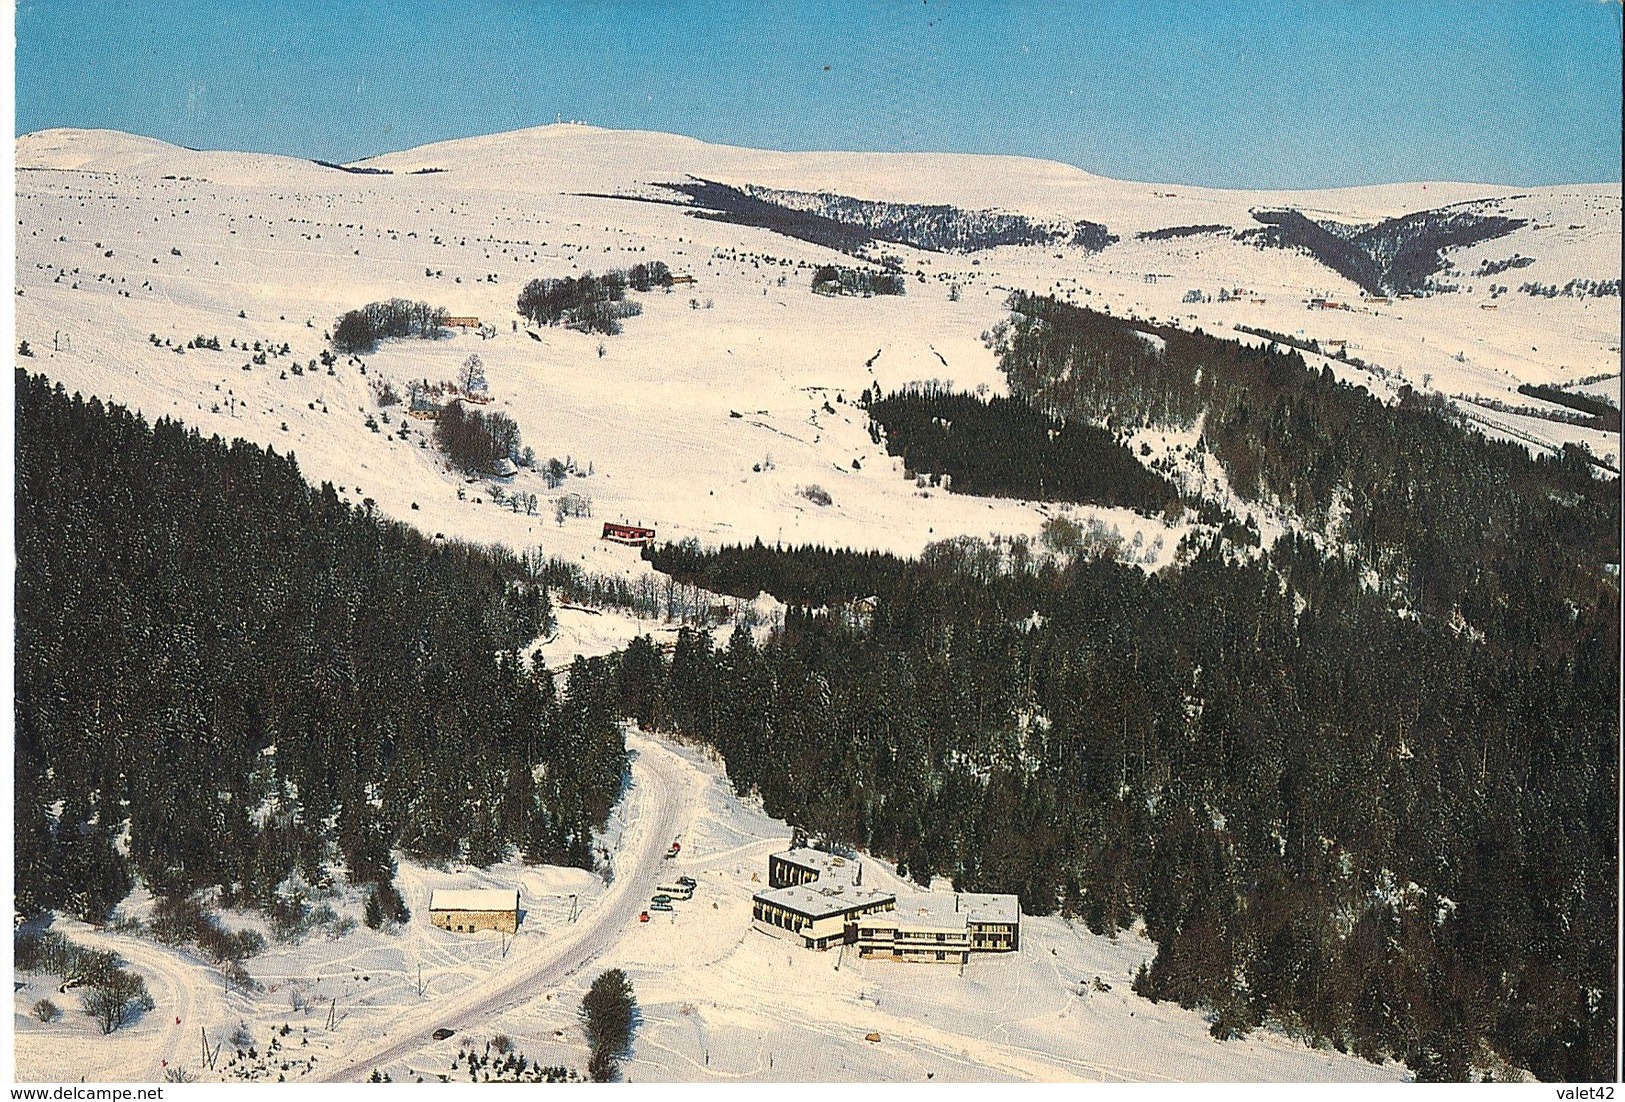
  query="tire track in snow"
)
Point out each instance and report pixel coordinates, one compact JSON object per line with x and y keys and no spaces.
{"x":664,"y":809}
{"x":180,"y":1005}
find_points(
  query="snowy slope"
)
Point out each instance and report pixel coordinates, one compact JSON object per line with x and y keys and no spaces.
{"x":708,"y":418}
{"x":121,"y":237}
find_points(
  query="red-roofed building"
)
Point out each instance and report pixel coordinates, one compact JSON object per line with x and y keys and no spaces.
{"x":628,"y":533}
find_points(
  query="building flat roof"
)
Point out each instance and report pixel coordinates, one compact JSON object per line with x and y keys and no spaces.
{"x":829,"y":866}
{"x":945,"y":911}
{"x":911,"y":922}
{"x":474,"y":899}
{"x":984,"y":907}
{"x":812,"y":901}
{"x":934,"y":911}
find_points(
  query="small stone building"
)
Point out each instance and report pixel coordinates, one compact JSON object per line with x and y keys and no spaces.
{"x":466,"y":910}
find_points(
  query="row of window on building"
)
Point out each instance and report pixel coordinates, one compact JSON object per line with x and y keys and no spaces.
{"x":818,"y":899}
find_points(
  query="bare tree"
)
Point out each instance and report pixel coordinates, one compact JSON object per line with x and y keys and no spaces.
{"x":117,"y":998}
{"x":472,"y":376}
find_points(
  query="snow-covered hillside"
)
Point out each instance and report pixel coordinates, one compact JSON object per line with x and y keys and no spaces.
{"x":725,"y":412}
{"x":725,"y":400}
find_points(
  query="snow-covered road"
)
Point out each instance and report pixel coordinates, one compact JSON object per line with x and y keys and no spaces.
{"x":661,"y":809}
{"x":162,"y":1038}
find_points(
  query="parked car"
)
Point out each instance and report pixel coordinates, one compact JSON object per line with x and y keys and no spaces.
{"x":442,"y":1033}
{"x":686,"y":881}
{"x":660,"y":906}
{"x":643,"y":917}
{"x":660,"y":899}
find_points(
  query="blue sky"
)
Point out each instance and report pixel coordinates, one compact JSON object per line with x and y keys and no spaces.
{"x":1258,"y":94}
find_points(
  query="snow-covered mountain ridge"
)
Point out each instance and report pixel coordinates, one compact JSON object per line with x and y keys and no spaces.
{"x":122,"y":238}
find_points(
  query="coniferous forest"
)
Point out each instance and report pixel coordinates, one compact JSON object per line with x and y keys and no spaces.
{"x":1398,"y":255}
{"x":933,"y":227}
{"x":855,"y":226}
{"x":1359,"y":784}
{"x":247,"y":683}
{"x":1003,"y":447}
{"x":1453,"y":524}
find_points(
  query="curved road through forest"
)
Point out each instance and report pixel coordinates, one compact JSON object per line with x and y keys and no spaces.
{"x":663,"y":809}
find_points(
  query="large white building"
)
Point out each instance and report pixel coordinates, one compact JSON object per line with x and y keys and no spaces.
{"x":817,"y":899}
{"x":818,"y":917}
{"x":936,"y":926}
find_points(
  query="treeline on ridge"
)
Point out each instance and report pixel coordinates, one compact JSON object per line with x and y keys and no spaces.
{"x":1601,"y":414}
{"x":255,"y":683}
{"x":1003,"y":447}
{"x":1168,"y":233}
{"x":856,"y":226}
{"x":1574,"y":288}
{"x":937,"y":227}
{"x":1452,"y":524}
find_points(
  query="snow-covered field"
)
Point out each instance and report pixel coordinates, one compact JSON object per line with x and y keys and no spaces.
{"x":371,"y":975}
{"x":719,"y":999}
{"x":1606,"y":389}
{"x":120,"y":239}
{"x":709,"y":417}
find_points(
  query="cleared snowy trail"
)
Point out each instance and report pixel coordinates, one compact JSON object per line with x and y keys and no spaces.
{"x":166,"y":1036}
{"x":662,"y":808}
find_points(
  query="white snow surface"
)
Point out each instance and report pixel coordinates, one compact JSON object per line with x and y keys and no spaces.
{"x":289,"y":245}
